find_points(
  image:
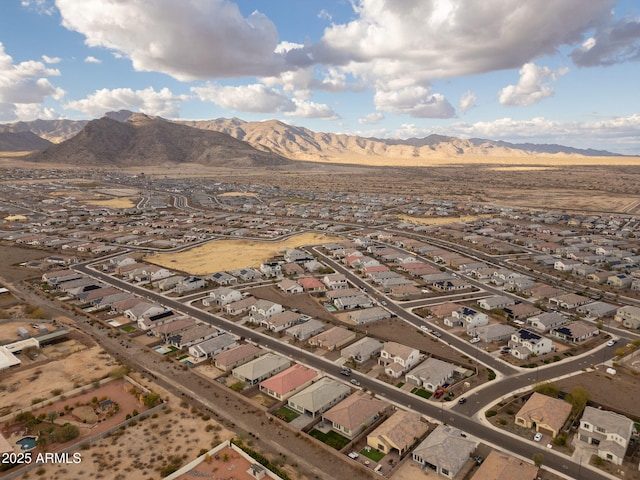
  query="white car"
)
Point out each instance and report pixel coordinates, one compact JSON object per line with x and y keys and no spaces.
{"x":474,"y":340}
{"x":612,"y":342}
{"x":424,"y":328}
{"x":537,"y":437}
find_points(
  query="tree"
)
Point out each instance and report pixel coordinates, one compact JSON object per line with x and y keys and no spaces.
{"x":579,"y":397}
{"x":538,"y":459}
{"x":549,"y":388}
{"x":151,"y":400}
{"x":52,"y":415}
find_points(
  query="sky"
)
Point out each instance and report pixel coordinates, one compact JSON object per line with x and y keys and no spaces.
{"x":534,"y":71}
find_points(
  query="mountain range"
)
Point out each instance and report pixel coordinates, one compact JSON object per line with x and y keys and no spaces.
{"x":126,"y":138}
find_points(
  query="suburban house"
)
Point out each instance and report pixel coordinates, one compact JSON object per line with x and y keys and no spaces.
{"x":167,"y":330}
{"x":193,"y":335}
{"x":222,"y":278}
{"x":629,"y":316}
{"x":306,"y":330}
{"x":369,"y":315}
{"x":445,"y":451}
{"x":498,"y":301}
{"x":264,"y":309}
{"x":239,"y":355}
{"x":286,"y":383}
{"x":312,"y":284}
{"x":169,"y":282}
{"x":148,"y":323}
{"x":335,"y":281}
{"x":143,"y":309}
{"x":213,"y":346}
{"x":259,"y":369}
{"x":521,"y":311}
{"x":189,"y":284}
{"x":222,"y":296}
{"x":398,"y":433}
{"x":620,"y":280}
{"x":362,"y":350}
{"x":597,"y":309}
{"x":348,"y":303}
{"x":319,"y":397}
{"x":467,"y":317}
{"x":351,"y":415}
{"x":495,"y":332}
{"x":290,"y":286}
{"x":241,"y":306}
{"x":570,"y":301}
{"x":502,"y":466}
{"x":431,"y":374}
{"x":332,"y":339}
{"x":544,"y":414}
{"x":398,"y":359}
{"x":280,"y":321}
{"x":271,"y":269}
{"x":523,"y":343}
{"x":609,"y":431}
{"x":575,"y":332}
{"x":546,"y":321}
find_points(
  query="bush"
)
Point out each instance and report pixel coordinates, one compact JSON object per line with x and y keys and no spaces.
{"x":490,"y":413}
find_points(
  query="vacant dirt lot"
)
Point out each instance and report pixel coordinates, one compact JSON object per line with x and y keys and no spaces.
{"x":227,"y":255}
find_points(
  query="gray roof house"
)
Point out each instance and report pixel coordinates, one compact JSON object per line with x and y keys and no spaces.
{"x":431,"y":374}
{"x":213,"y":346}
{"x":306,"y":330}
{"x":362,"y":350}
{"x":260,"y":369}
{"x":494,"y":332}
{"x":609,"y":431}
{"x":597,"y":309}
{"x":445,"y":451}
{"x":369,"y":315}
{"x":319,"y":397}
{"x":546,"y":321}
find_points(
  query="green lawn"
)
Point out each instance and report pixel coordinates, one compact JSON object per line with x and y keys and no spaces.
{"x":400,"y":384}
{"x":373,"y":454}
{"x":332,"y":438}
{"x":421,"y":392}
{"x":129,"y":328}
{"x":287,"y":414}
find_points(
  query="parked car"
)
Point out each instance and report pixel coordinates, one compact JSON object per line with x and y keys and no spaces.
{"x":355,"y":382}
{"x":346,"y":372}
{"x":537,"y":437}
{"x":612,"y":342}
{"x":474,"y":340}
{"x":462,"y":400}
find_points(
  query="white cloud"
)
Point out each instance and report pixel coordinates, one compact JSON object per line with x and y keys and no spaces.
{"x":246,"y":98}
{"x":416,"y":101}
{"x":43,"y":7}
{"x":48,"y":59}
{"x":312,"y":110}
{"x":532,"y":87}
{"x":25,"y":82}
{"x":92,"y":59}
{"x":467,"y":101}
{"x":188,"y":39}
{"x":163,"y":103}
{"x":402,"y":43}
{"x":324,"y":15}
{"x":371,"y":119}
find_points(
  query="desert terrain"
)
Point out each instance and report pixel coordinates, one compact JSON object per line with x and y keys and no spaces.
{"x":221,"y":255}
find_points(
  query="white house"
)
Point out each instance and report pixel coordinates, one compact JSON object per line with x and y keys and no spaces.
{"x":398,"y":359}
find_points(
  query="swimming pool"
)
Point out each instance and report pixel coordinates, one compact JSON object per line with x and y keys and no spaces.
{"x":27,"y":443}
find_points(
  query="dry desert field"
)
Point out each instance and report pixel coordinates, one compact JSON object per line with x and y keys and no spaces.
{"x":224,"y":255}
